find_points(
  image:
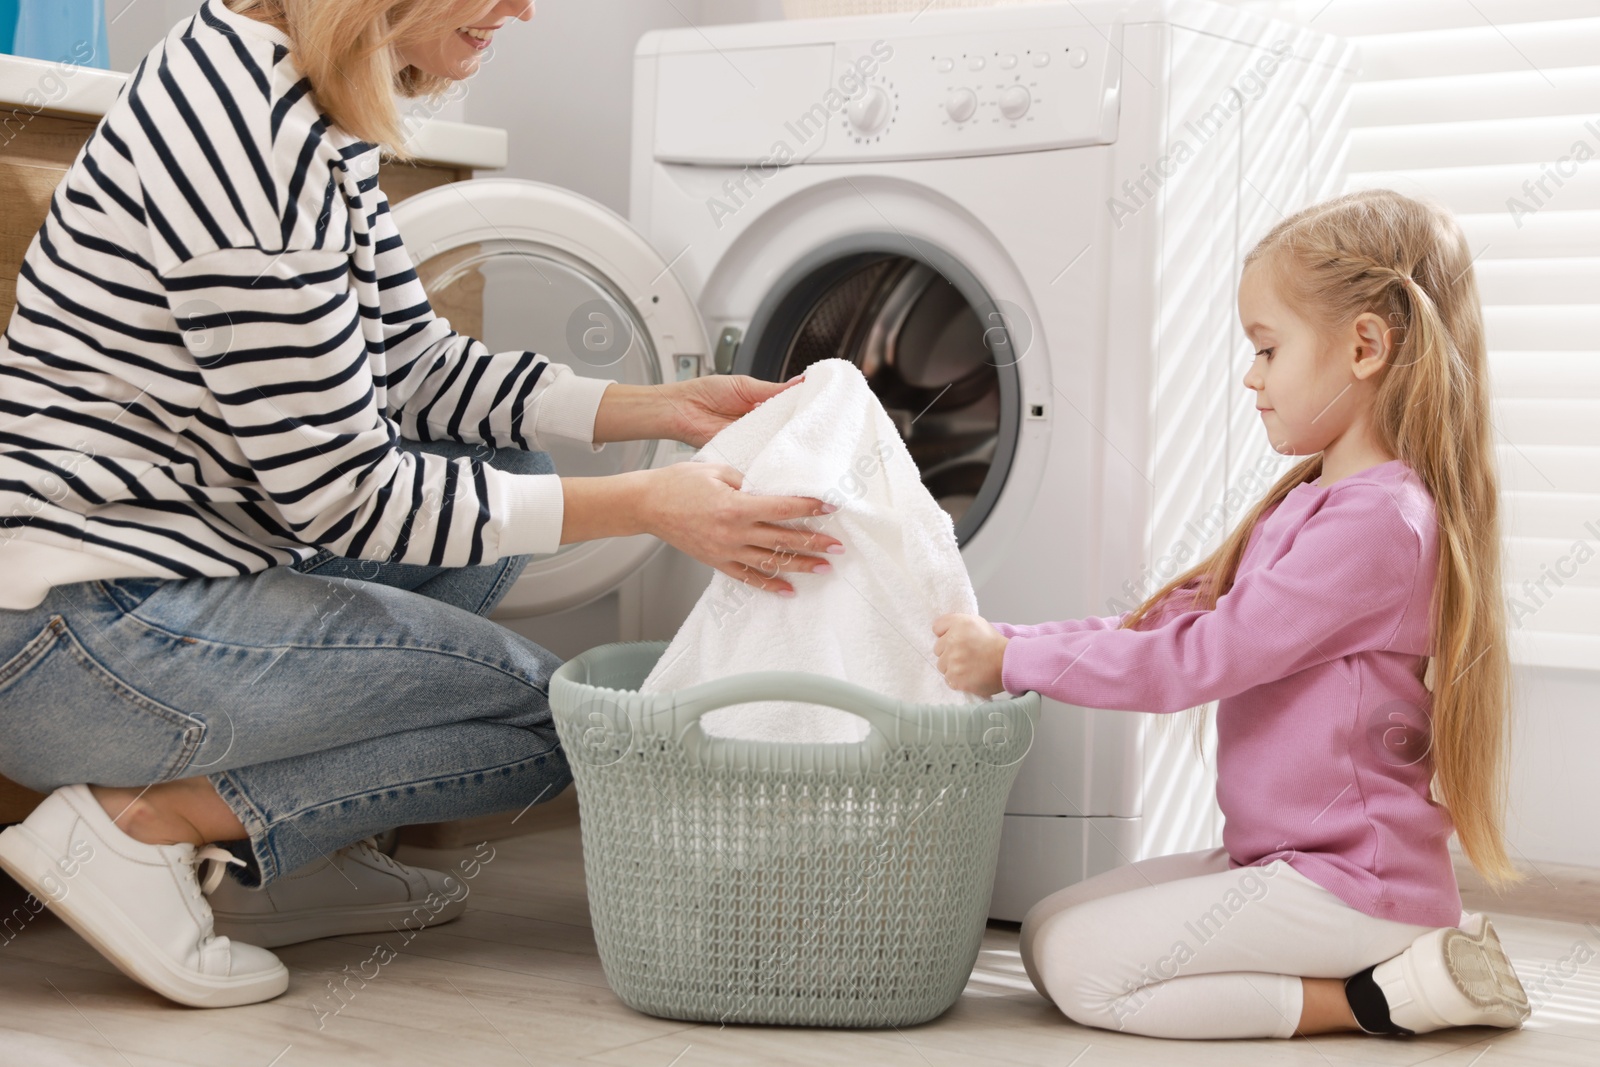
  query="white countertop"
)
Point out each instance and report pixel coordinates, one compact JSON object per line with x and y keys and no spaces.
{"x":32,"y":86}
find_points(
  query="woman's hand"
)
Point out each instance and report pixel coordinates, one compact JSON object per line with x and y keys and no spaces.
{"x":692,"y":411}
{"x":697,"y":508}
{"x":701,"y":407}
{"x":970,"y":652}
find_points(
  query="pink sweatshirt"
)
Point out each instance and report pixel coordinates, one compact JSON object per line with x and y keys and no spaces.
{"x":1314,"y":655}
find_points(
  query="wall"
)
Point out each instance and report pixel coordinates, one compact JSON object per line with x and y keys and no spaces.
{"x":135,"y":26}
{"x":1555,"y":789}
{"x":563,"y":84}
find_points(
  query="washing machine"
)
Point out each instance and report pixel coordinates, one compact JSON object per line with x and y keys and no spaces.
{"x":1025,"y":224}
{"x":525,"y":265}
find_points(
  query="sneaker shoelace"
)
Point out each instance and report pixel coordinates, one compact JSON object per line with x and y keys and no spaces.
{"x":369,"y":848}
{"x":216,"y":862}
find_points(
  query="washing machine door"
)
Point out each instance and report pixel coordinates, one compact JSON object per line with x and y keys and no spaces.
{"x":523,"y":265}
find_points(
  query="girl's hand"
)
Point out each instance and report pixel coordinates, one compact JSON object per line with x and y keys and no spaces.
{"x":698,"y":509}
{"x":970,"y":652}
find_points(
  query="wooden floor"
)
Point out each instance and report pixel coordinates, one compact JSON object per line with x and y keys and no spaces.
{"x":517,"y":982}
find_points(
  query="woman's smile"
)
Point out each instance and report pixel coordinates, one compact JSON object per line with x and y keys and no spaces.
{"x":477,"y":38}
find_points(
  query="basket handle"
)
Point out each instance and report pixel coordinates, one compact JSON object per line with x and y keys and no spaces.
{"x":1004,"y":726}
{"x":690,"y":704}
{"x":892,"y":722}
{"x":697,"y":700}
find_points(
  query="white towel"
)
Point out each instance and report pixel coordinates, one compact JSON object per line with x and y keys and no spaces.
{"x":868,"y":622}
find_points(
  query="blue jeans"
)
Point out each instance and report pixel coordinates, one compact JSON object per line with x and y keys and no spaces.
{"x":326,"y":701}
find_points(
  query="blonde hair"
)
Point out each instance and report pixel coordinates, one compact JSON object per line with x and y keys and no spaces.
{"x":1408,"y":263}
{"x":348,"y":51}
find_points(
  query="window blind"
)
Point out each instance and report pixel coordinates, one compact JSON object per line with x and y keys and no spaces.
{"x":1492,"y":108}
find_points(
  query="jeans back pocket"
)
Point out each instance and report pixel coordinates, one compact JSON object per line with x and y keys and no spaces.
{"x":68,"y":720}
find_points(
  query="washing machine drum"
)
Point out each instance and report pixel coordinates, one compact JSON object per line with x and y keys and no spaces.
{"x":940,"y":367}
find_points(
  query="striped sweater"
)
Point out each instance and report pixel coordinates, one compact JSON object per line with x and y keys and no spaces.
{"x":219,"y":338}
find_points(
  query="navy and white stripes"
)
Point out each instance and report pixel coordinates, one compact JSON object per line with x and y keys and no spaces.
{"x":219,"y":336}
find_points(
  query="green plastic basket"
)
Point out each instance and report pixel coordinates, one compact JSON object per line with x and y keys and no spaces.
{"x":807,"y":885}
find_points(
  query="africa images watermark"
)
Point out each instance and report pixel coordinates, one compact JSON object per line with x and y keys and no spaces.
{"x":1255,"y":482}
{"x":54,"y":487}
{"x":1205,"y":927}
{"x":804,"y":128}
{"x":343,"y":987}
{"x":852,"y":486}
{"x":1554,"y":975}
{"x":1251,"y":85}
{"x":1537,"y":590}
{"x":56,"y":889}
{"x":50,"y":90}
{"x":1536,"y":192}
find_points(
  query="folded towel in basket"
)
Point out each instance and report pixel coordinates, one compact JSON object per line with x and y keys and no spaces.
{"x":868,"y":622}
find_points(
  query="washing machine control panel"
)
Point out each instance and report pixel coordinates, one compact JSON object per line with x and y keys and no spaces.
{"x":926,"y":97}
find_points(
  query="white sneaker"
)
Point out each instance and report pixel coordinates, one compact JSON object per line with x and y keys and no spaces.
{"x":141,"y":906}
{"x":357,"y":890}
{"x":1453,"y":977}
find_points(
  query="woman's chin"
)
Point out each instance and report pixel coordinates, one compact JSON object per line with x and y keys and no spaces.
{"x":460,"y":70}
{"x":453,"y":67}
{"x":466,"y":66}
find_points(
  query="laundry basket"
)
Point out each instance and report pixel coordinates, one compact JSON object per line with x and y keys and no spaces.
{"x":801,"y":884}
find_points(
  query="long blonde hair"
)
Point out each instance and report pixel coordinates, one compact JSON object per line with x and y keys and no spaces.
{"x":347,"y":49}
{"x":1408,"y":262}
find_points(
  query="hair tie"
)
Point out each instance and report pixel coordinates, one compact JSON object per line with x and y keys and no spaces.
{"x":1403,"y":277}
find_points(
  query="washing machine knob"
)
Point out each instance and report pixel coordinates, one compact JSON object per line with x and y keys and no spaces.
{"x":1015,"y":101}
{"x":961,"y":104}
{"x":869,"y":112}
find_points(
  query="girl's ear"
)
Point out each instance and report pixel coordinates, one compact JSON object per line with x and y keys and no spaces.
{"x":1374,"y":342}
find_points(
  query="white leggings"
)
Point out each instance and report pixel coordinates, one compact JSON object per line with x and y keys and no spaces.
{"x":1181,"y":946}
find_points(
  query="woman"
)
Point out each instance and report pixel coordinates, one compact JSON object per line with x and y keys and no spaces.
{"x":258,"y":500}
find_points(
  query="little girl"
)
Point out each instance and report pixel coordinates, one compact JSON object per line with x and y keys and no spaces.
{"x":1332,"y":904}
